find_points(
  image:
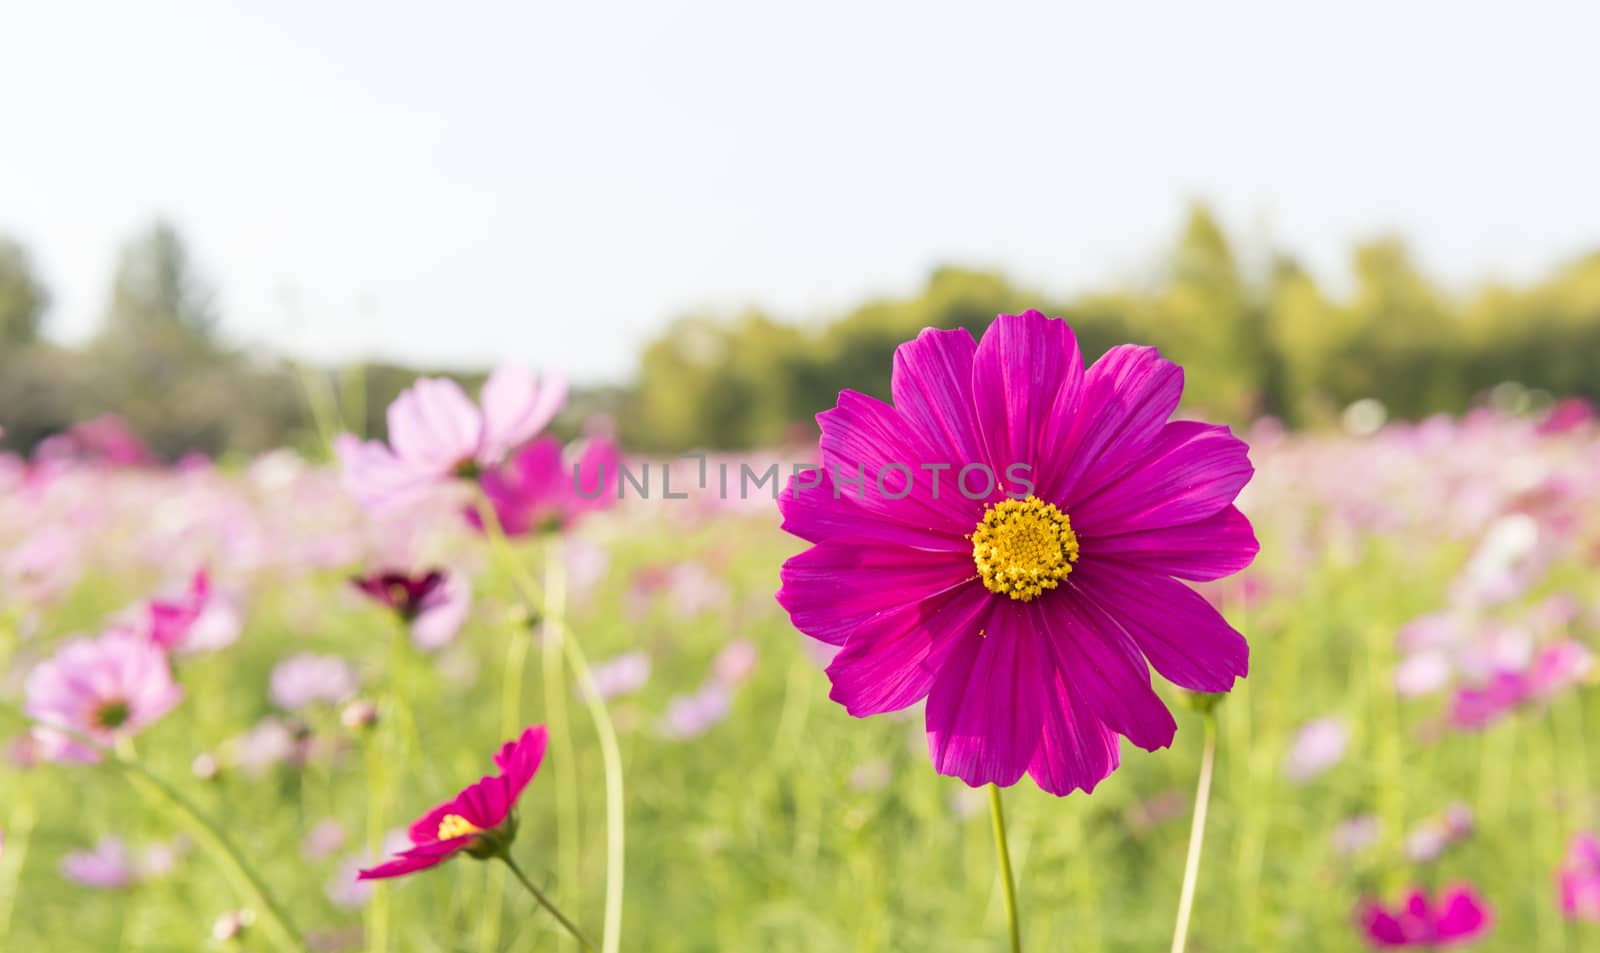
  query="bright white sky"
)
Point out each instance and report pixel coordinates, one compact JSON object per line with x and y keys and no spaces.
{"x":480,"y":182}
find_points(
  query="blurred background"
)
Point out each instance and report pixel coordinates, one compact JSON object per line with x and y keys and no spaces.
{"x":228,"y":232}
{"x":713,"y":217}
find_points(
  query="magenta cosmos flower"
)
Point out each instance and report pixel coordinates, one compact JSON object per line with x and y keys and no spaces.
{"x":108,"y":688}
{"x":480,"y":821}
{"x":1006,"y":540}
{"x":436,"y":432}
{"x":539,"y":490}
{"x":1459,"y":916}
{"x":1579,"y":879}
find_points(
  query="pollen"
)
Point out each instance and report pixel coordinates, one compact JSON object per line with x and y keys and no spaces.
{"x":1023,"y":547}
{"x":454,"y":825}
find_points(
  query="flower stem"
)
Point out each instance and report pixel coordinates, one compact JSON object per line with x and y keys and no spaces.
{"x":289,"y":938}
{"x":611,"y":756}
{"x":572,"y":928}
{"x":1003,"y":857}
{"x":555,"y":691}
{"x":610,"y":751}
{"x":1197,"y":834}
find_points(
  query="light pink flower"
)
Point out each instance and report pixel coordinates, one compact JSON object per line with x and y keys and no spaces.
{"x":108,"y":867}
{"x":622,"y":675}
{"x":735,"y":663}
{"x":1317,"y":746}
{"x":437,"y":433}
{"x":108,"y":688}
{"x":690,"y":716}
{"x":322,"y":840}
{"x":306,"y":678}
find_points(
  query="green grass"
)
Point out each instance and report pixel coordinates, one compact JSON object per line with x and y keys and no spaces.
{"x":753,"y":836}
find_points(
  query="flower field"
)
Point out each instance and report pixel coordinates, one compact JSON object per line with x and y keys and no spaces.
{"x":227,"y":689}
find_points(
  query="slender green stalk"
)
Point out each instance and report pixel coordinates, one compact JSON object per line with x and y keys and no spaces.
{"x":1197,"y":834}
{"x":560,"y":724}
{"x":1003,"y":858}
{"x":611,"y":756}
{"x":510,"y":720}
{"x":572,"y":928}
{"x":610,"y":750}
{"x":289,"y":938}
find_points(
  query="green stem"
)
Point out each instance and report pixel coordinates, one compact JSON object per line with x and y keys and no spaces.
{"x":1197,"y":834}
{"x":555,"y":691}
{"x":289,"y":938}
{"x":1003,"y":858}
{"x":571,"y":927}
{"x":611,"y":756}
{"x":610,"y":750}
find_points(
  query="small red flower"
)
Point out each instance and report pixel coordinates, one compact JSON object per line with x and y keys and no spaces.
{"x":480,"y":821}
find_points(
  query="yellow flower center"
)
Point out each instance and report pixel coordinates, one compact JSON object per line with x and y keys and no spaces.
{"x":454,"y":825}
{"x":1023,"y":547}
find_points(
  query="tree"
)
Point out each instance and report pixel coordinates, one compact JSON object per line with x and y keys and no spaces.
{"x":158,"y":287}
{"x":23,"y":299}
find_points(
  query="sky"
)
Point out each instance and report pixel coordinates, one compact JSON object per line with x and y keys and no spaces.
{"x":459,"y":185}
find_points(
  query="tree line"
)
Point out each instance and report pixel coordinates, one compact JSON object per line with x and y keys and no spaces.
{"x":1261,"y":339}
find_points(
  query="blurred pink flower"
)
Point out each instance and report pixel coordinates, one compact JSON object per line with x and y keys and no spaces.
{"x":1430,"y":839}
{"x":1356,"y":834}
{"x":1459,"y":916}
{"x":197,"y":621}
{"x":322,"y":840}
{"x":622,"y":675}
{"x":437,"y":433}
{"x":1578,"y":878}
{"x":1566,"y":416}
{"x":1317,"y":746}
{"x":269,"y":742}
{"x":344,"y":889}
{"x":1477,"y":706}
{"x":305,"y":679}
{"x":104,"y":441}
{"x":108,"y":688}
{"x":735,"y":663}
{"x":537,"y":491}
{"x":690,"y":716}
{"x":108,"y":867}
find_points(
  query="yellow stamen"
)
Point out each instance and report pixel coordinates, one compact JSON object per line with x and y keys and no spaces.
{"x":1023,"y":547}
{"x":454,"y":825}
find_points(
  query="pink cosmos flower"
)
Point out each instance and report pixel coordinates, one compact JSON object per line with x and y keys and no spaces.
{"x":1578,"y":879}
{"x":305,"y":678}
{"x":690,"y":716}
{"x":735,"y":663}
{"x":1459,"y":916}
{"x":436,"y":433}
{"x":433,"y":605}
{"x":1318,"y":745}
{"x":539,"y":491}
{"x":108,"y":688}
{"x":196,"y":621}
{"x":480,"y":821}
{"x":1027,"y":617}
{"x":622,"y":675}
{"x":108,"y":867}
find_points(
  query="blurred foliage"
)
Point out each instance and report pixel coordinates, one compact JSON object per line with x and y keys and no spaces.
{"x":1256,"y":339}
{"x":1270,"y":343}
{"x":22,"y":298}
